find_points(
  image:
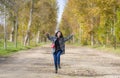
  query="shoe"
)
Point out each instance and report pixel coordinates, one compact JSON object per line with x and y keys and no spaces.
{"x":59,"y":66}
{"x":56,"y":71}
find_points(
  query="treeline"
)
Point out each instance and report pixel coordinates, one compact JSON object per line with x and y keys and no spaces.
{"x":27,"y":21}
{"x":93,"y":22}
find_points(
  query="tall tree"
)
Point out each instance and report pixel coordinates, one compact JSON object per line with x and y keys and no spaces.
{"x":27,"y":38}
{"x":5,"y":31}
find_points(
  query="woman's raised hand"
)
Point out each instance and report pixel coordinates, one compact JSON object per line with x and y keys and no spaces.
{"x":72,"y":34}
{"x":47,"y":34}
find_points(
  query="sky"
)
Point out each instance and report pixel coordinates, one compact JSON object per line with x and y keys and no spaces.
{"x":61,"y":5}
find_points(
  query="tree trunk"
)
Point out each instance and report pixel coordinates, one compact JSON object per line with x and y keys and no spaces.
{"x":92,"y":33}
{"x":16,"y":30}
{"x":12,"y":33}
{"x":92,"y":40}
{"x":91,"y":5}
{"x":5,"y":30}
{"x":114,"y":28}
{"x":73,"y":39}
{"x":27,"y":37}
{"x":79,"y":36}
{"x":107,"y":39}
{"x":38,"y":37}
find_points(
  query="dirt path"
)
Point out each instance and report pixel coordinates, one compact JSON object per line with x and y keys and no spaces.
{"x":78,"y":62}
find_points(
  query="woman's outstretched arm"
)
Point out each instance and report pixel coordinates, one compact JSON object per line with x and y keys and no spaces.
{"x":68,"y":38}
{"x":50,"y":37}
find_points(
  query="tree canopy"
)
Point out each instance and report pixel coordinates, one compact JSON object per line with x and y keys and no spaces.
{"x":94,"y":22}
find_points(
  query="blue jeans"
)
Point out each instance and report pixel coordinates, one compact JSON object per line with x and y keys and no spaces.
{"x":56,"y":56}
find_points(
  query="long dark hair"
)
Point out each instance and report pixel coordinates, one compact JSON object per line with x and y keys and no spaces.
{"x":61,"y":36}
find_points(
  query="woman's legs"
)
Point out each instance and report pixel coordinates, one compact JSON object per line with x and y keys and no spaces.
{"x":55,"y":61}
{"x":58,"y":58}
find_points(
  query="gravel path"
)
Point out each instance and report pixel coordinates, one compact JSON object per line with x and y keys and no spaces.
{"x":78,"y":62}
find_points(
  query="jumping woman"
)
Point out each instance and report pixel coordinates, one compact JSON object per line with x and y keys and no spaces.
{"x":58,"y":47}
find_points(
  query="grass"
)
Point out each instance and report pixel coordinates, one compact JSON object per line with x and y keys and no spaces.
{"x":109,"y":49}
{"x":11,"y":48}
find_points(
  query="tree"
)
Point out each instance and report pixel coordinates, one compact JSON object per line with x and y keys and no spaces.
{"x":27,"y":38}
{"x":94,"y":22}
{"x":24,"y":25}
{"x":5,"y":32}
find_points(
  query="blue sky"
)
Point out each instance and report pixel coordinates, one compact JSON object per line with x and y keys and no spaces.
{"x":61,"y":5}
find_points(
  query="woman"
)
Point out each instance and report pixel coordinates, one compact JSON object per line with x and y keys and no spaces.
{"x":58,"y":47}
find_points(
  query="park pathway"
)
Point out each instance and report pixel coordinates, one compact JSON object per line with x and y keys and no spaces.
{"x":78,"y":62}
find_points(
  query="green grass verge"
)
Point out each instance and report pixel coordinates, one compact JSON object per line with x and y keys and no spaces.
{"x":108,"y":49}
{"x":12,"y":49}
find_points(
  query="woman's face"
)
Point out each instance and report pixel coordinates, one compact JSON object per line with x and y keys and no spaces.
{"x":58,"y":34}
